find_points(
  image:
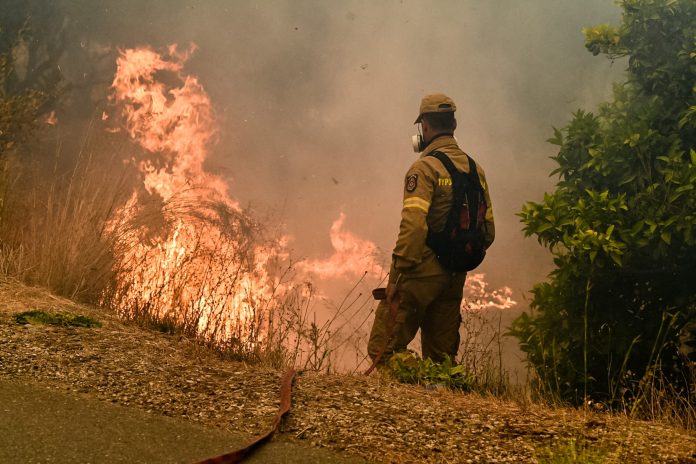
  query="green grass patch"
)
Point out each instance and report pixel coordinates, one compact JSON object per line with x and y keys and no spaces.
{"x":574,"y":451}
{"x":407,"y":367}
{"x":37,"y":316}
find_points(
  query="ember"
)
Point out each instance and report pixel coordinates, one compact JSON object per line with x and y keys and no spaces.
{"x":52,"y":119}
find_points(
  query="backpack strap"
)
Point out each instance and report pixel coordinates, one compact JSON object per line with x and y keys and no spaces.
{"x":447,"y":162}
{"x":458,"y":190}
{"x":473,"y":172}
{"x":449,"y":165}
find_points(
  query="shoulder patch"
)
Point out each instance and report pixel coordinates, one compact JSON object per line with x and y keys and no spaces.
{"x":411,"y":182}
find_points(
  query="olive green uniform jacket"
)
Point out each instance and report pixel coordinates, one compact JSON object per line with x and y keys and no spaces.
{"x":427,"y":202}
{"x":430,"y":296}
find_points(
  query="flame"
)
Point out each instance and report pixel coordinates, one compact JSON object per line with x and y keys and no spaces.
{"x":178,"y":122}
{"x":479,"y":298}
{"x":352,"y":257}
{"x":200,"y":266}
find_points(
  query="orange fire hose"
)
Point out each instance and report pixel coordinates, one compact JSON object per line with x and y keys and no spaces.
{"x":239,"y":454}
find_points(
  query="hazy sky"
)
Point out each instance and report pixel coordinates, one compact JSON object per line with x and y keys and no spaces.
{"x":316,"y":99}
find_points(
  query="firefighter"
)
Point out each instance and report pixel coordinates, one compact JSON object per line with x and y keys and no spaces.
{"x":428,"y":296}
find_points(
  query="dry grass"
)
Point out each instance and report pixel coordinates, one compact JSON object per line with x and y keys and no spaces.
{"x":659,"y":400}
{"x":481,"y":351}
{"x":52,"y":227}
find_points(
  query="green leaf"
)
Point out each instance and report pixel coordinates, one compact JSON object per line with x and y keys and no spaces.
{"x":666,"y":237}
{"x":616,"y":258}
{"x":637,"y":227}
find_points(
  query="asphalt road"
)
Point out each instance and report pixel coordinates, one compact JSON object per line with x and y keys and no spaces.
{"x":39,"y":425}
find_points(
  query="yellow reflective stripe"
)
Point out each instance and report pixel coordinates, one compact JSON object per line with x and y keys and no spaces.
{"x":422,"y":202}
{"x":417,"y":202}
{"x":416,"y":206}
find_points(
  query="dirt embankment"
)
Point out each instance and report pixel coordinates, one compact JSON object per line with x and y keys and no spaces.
{"x":373,"y":418}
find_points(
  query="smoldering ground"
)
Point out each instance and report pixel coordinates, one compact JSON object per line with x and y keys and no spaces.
{"x":315,"y":100}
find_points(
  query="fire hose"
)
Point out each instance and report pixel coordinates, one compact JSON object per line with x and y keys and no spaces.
{"x":239,"y":454}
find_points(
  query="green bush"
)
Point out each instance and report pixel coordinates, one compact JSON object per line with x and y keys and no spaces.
{"x":621,"y":223}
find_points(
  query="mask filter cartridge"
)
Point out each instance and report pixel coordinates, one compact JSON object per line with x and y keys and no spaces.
{"x":418,"y":143}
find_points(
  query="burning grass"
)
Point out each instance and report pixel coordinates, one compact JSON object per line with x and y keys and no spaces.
{"x":191,"y":266}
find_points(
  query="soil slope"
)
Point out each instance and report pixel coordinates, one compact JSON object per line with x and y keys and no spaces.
{"x":368,"y":417}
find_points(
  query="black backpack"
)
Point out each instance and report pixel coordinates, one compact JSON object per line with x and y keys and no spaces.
{"x":460,"y":246}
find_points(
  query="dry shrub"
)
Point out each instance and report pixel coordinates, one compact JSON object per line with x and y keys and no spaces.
{"x":198,"y":267}
{"x":481,"y":349}
{"x":235,"y":291}
{"x":53,"y":216}
{"x":658,"y":399}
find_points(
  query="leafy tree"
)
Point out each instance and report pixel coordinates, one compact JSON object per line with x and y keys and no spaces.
{"x":621,"y":223}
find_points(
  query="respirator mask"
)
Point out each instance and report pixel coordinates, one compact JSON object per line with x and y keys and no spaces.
{"x":417,"y":141}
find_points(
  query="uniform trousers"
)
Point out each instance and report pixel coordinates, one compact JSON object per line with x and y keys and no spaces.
{"x":429,"y":300}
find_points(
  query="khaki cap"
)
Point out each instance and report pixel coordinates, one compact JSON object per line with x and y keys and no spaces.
{"x":436,"y":103}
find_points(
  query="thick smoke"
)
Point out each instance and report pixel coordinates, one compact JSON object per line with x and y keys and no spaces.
{"x":316,"y":99}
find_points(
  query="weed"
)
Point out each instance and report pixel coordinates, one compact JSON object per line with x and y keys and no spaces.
{"x":573,"y":451}
{"x":481,"y":350}
{"x":407,"y":367}
{"x":37,"y":316}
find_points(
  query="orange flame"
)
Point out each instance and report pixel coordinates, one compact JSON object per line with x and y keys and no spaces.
{"x":479,"y":298}
{"x":199,"y":267}
{"x":177,"y":121}
{"x":352,"y":256}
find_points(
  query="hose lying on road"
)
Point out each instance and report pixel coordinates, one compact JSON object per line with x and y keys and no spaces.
{"x":239,"y":454}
